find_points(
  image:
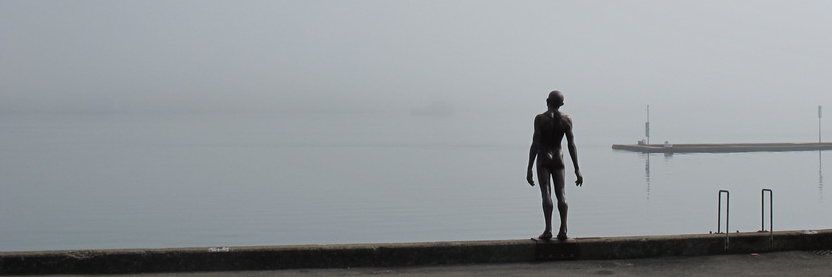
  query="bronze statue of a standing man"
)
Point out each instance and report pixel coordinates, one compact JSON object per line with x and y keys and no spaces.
{"x":549,"y":130}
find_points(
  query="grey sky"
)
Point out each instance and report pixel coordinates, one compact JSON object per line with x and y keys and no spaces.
{"x":382,"y":55}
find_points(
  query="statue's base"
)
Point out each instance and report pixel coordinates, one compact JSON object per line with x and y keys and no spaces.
{"x":554,"y":249}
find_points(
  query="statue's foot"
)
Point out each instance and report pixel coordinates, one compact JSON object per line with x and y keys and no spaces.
{"x":545,"y":235}
{"x":562,"y":236}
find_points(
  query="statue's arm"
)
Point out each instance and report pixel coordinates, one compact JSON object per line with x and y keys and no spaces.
{"x":533,"y":152}
{"x":573,"y":151}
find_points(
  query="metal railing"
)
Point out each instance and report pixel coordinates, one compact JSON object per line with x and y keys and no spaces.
{"x":762,"y":214}
{"x":727,"y":212}
{"x":770,"y":212}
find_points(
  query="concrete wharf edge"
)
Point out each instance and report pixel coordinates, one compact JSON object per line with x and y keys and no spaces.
{"x":724,"y":147}
{"x":201,"y":259}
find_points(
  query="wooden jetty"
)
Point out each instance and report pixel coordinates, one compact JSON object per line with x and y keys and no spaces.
{"x":723,"y":147}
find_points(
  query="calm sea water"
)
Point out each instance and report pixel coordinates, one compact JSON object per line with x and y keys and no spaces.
{"x":176,"y":180}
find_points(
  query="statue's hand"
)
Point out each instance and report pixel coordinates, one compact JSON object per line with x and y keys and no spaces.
{"x":580,"y":178}
{"x":529,"y":177}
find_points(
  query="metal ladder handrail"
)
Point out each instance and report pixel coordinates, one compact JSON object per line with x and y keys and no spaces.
{"x":770,"y":212}
{"x":727,"y":213}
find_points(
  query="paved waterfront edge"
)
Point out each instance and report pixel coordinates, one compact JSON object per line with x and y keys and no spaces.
{"x":199,"y":259}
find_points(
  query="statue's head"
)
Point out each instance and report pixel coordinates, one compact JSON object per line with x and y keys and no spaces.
{"x":555,"y":99}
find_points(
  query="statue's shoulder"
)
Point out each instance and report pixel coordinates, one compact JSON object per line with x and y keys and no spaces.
{"x":541,"y":116}
{"x":566,"y":120}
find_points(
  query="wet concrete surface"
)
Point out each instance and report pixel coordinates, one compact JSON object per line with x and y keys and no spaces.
{"x":791,"y":263}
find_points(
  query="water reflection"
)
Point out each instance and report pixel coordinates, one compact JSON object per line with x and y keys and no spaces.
{"x":820,"y":175}
{"x":670,"y":155}
{"x":647,"y":168}
{"x":647,"y":173}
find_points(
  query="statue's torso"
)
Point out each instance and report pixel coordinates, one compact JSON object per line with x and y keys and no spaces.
{"x":551,"y":129}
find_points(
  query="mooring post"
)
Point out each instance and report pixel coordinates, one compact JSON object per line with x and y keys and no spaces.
{"x":647,"y":125}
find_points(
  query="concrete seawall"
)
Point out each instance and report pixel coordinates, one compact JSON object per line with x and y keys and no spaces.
{"x":723,"y":147}
{"x":401,"y":254}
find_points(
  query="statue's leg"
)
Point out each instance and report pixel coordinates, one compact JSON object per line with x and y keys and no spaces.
{"x":543,"y":174}
{"x":560,"y":193}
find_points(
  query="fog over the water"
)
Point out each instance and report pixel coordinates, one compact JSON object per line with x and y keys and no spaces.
{"x":141,"y":124}
{"x":697,"y":63}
